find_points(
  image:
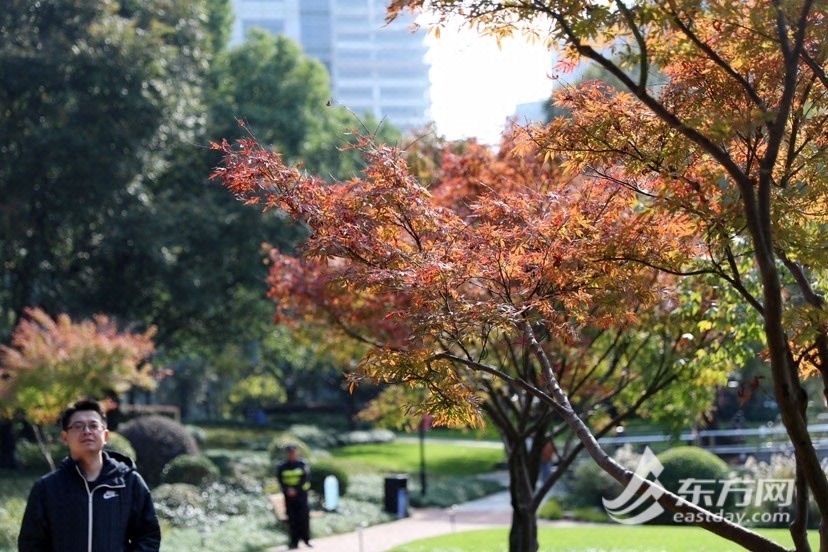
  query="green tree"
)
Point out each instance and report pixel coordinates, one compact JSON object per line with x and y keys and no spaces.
{"x":100,"y":90}
{"x":206,"y":294}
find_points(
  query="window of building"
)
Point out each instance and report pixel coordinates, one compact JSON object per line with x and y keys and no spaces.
{"x":273,"y":26}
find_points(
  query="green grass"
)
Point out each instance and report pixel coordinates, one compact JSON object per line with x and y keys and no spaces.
{"x":596,"y":538}
{"x":404,"y":457}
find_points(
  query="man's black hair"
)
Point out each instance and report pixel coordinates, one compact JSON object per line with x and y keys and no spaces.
{"x":82,"y":405}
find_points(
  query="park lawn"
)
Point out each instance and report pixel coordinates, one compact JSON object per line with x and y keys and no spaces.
{"x":596,"y":538}
{"x":441,"y":458}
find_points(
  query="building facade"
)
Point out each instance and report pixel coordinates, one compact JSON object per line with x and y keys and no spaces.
{"x":374,"y":67}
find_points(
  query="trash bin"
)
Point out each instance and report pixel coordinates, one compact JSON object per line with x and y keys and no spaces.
{"x":396,"y":495}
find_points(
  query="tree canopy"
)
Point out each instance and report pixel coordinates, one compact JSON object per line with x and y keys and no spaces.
{"x":100,"y":90}
{"x":730,"y":132}
{"x":506,"y":249}
{"x":105,"y":161}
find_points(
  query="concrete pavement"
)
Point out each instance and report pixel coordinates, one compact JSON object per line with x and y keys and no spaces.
{"x":488,"y":512}
{"x":419,"y":525}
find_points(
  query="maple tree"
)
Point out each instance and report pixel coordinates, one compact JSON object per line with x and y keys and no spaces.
{"x":730,"y":133}
{"x":53,"y":362}
{"x":489,"y":280}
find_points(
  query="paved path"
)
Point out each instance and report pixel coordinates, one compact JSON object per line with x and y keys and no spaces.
{"x":419,"y":525}
{"x":488,"y":512}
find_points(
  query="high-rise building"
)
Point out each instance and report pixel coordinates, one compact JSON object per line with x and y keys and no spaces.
{"x":374,"y":67}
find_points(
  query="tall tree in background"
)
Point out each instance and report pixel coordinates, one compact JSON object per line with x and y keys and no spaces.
{"x":732,"y":135}
{"x":209,"y":292}
{"x":94,"y":94}
{"x":106,"y":119}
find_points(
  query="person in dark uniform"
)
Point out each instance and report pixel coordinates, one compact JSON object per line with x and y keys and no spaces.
{"x":294,"y":478}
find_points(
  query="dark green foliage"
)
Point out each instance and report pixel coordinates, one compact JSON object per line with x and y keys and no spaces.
{"x":321,"y":470}
{"x":119,"y":443}
{"x":99,"y":94}
{"x":31,"y":457}
{"x":705,"y":468}
{"x":157,"y":441}
{"x":242,"y":469}
{"x":194,"y":470}
{"x":590,"y":484}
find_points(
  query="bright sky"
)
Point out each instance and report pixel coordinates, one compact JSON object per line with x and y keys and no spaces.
{"x":475,"y":86}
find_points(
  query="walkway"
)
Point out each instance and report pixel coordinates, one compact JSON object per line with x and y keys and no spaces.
{"x":419,"y":525}
{"x":492,"y":511}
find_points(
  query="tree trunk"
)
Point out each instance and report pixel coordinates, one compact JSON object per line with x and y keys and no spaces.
{"x":8,"y":445}
{"x":43,"y":443}
{"x":671,"y":501}
{"x":523,"y":534}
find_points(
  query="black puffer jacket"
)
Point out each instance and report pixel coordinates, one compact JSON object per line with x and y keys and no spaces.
{"x":114,"y":513}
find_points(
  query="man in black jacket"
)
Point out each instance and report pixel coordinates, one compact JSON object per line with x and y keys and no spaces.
{"x":294,"y":478}
{"x":95,"y":501}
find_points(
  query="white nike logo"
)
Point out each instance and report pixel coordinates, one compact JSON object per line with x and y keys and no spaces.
{"x":109,"y":494}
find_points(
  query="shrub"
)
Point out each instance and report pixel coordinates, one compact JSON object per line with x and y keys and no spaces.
{"x":706,"y":470}
{"x":176,"y":495}
{"x":446,"y":491}
{"x":278,"y":447}
{"x":194,"y":470}
{"x":590,"y":515}
{"x":253,"y":472}
{"x":590,"y":484}
{"x":198,"y":434}
{"x":119,"y":443}
{"x":31,"y":457}
{"x":780,"y":468}
{"x":184,"y":505}
{"x":551,"y":509}
{"x":321,"y":470}
{"x":180,"y":503}
{"x":157,"y":440}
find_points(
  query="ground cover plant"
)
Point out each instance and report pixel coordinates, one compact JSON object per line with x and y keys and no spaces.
{"x":592,"y":538}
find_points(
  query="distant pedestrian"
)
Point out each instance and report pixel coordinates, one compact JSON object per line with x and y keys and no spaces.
{"x":547,"y":460}
{"x":94,"y":501}
{"x":294,"y":478}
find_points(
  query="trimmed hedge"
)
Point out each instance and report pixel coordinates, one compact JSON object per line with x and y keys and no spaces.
{"x":119,"y":443}
{"x":157,"y":440}
{"x":703,"y":467}
{"x":193,"y":470}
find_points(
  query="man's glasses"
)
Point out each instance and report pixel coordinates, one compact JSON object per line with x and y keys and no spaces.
{"x":79,"y":427}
